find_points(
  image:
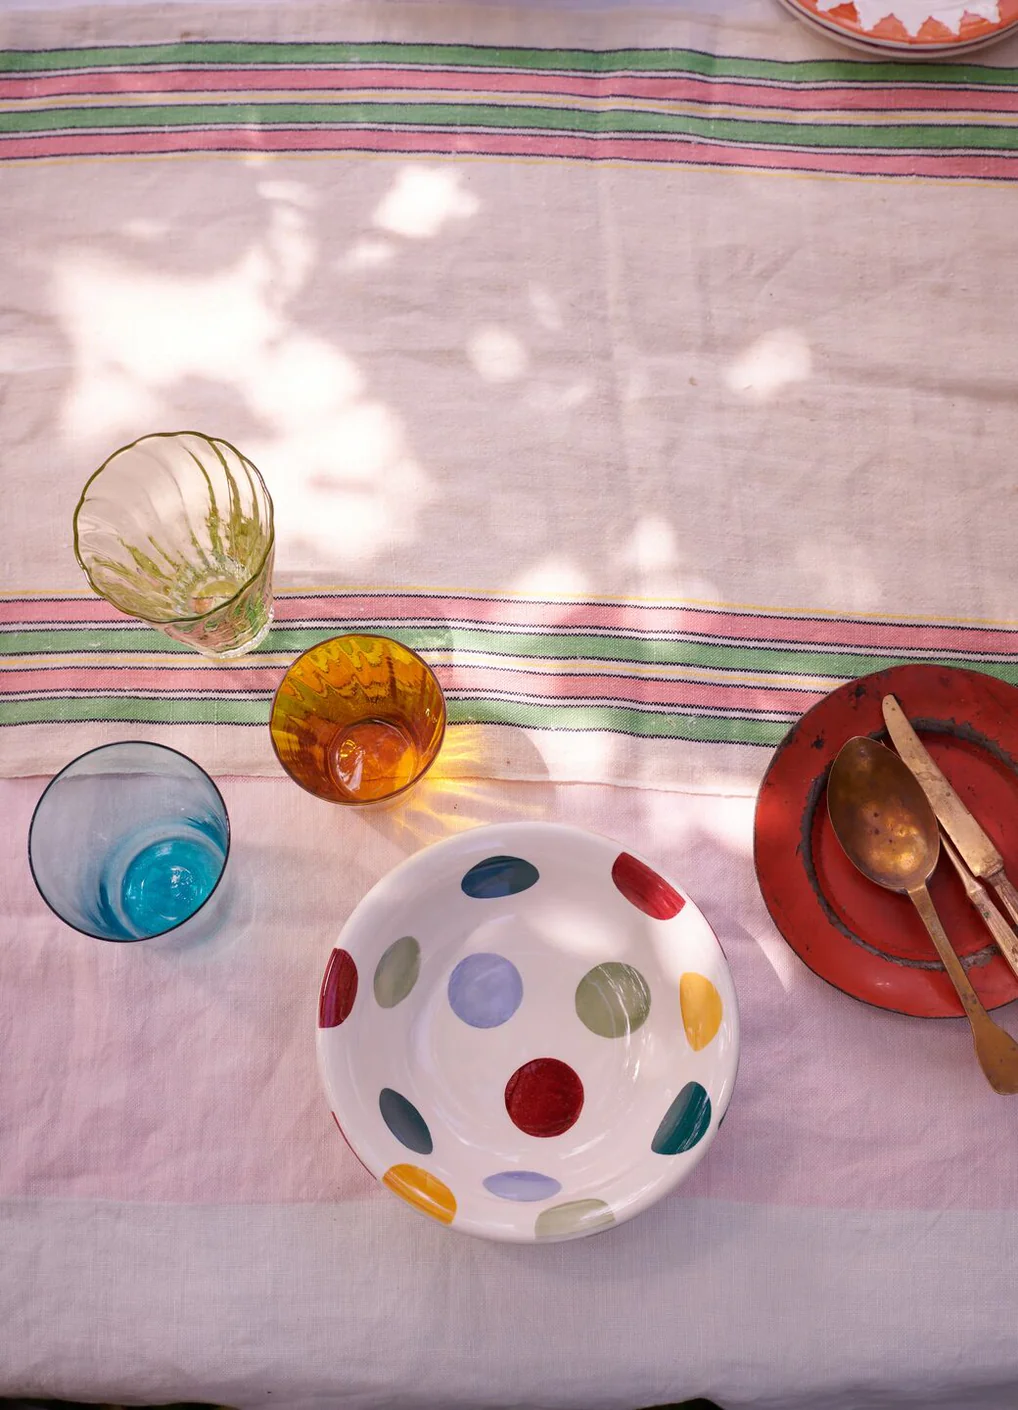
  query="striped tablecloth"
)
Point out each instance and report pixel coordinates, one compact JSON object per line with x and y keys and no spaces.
{"x":648,"y":369}
{"x":675,"y":695}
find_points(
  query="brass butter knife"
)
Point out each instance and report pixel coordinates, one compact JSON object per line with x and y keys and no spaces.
{"x":982,"y":857}
{"x":1007,"y":940}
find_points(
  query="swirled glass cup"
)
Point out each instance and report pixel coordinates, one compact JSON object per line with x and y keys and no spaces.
{"x":358,"y":719}
{"x":176,"y":529}
{"x":128,"y":841}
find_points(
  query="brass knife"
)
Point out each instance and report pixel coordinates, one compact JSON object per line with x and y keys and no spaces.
{"x":982,"y":857}
{"x":1007,"y":940}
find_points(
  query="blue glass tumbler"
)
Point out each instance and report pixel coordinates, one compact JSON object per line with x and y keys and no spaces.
{"x":128,"y":841}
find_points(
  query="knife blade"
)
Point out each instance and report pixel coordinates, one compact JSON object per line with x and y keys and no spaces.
{"x":975,"y":846}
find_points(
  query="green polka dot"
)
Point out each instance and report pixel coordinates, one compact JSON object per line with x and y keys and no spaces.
{"x":613,"y":1000}
{"x":579,"y":1216}
{"x":396,"y":972}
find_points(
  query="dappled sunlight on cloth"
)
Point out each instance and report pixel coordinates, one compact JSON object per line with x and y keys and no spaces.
{"x":776,"y":360}
{"x":343,"y":478}
{"x":421,"y":199}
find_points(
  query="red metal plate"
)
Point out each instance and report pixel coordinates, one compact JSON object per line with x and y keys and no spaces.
{"x":868,"y":942}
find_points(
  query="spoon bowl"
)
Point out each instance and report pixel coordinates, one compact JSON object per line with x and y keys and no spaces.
{"x":885,"y":824}
{"x":881,"y":816}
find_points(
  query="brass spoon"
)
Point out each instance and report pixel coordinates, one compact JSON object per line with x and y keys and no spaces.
{"x":883,"y":820}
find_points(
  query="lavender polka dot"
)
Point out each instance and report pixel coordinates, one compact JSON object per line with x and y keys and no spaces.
{"x":485,"y":990}
{"x":522,"y":1185}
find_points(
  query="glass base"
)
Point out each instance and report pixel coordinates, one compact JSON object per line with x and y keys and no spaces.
{"x":370,"y":760}
{"x":168,"y":881}
{"x":156,"y":878}
{"x":243,"y":648}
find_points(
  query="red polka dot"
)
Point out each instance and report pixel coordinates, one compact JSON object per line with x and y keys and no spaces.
{"x":646,"y":890}
{"x":339,"y":989}
{"x":544,"y":1097}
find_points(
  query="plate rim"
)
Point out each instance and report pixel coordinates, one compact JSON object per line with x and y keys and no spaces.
{"x":861,"y":39}
{"x":807,"y":722}
{"x":656,"y":1192}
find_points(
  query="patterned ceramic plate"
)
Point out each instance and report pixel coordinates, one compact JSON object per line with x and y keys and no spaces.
{"x":528,"y":1034}
{"x":911,"y":28}
{"x":868,"y":942}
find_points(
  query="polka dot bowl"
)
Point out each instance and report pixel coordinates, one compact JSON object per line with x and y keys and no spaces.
{"x":528,"y":1034}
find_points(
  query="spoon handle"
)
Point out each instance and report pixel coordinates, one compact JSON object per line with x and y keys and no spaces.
{"x":996,"y":1050}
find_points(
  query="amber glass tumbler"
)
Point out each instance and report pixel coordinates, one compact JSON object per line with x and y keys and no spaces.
{"x":358,"y":719}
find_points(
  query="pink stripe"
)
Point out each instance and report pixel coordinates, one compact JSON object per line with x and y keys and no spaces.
{"x":484,"y":680}
{"x":660,"y":621}
{"x":679,"y":150}
{"x":338,"y":611}
{"x":31,"y":611}
{"x":662,"y":88}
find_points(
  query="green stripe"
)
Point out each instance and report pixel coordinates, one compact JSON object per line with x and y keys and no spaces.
{"x":125,"y":707}
{"x":649,"y":724}
{"x":646,"y":723}
{"x":561,"y":646}
{"x":476,"y":56}
{"x":969,"y":136}
{"x":46,"y":641}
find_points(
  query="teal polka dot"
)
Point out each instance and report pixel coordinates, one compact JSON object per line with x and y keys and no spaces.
{"x":685,"y":1122}
{"x":499,"y":876}
{"x":404,"y":1121}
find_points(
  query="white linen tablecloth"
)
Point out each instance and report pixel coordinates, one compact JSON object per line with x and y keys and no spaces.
{"x":646,"y":367}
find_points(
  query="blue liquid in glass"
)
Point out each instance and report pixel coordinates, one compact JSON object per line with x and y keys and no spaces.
{"x":166,"y":881}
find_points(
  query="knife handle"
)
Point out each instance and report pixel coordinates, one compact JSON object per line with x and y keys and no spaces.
{"x":1006,"y":939}
{"x":1006,"y":892}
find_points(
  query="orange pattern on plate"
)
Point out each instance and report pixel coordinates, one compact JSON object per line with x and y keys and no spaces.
{"x":932,"y":33}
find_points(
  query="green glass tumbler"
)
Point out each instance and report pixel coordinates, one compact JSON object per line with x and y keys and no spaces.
{"x":176,"y":529}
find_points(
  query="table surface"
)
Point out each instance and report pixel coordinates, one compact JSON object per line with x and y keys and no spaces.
{"x":648,"y":368}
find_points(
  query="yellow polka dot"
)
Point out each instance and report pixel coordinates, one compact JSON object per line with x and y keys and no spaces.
{"x":421,"y":1190}
{"x":701,"y":1009}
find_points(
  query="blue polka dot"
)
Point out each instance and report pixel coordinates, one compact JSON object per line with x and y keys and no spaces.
{"x":499,"y":876}
{"x":522,"y":1185}
{"x":405,"y":1122}
{"x":485,"y":990}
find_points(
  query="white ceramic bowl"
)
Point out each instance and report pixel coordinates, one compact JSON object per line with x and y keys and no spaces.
{"x":528,"y":1034}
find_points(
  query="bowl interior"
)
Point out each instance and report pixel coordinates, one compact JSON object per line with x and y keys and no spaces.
{"x":527,"y":1033}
